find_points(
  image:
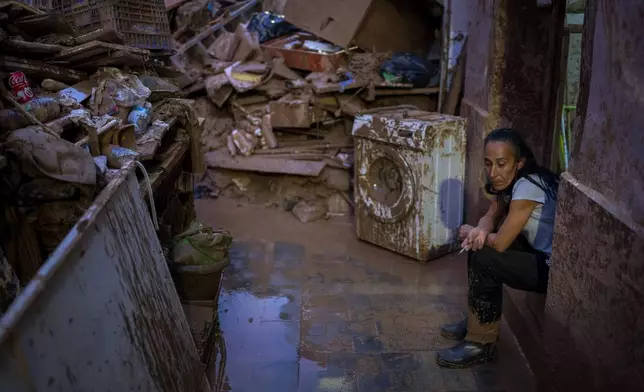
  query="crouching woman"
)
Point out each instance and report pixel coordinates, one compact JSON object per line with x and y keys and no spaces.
{"x":510,"y":245}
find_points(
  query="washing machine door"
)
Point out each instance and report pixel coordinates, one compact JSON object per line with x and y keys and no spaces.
{"x":386,"y":185}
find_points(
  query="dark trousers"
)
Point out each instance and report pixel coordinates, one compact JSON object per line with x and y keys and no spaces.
{"x":520,"y":267}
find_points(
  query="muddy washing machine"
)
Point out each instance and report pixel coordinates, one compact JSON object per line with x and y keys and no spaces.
{"x":409,"y":169}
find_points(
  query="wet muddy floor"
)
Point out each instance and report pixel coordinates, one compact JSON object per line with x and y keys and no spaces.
{"x":308,"y":307}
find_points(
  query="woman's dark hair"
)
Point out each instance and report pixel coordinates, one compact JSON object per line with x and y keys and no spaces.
{"x":549,"y":180}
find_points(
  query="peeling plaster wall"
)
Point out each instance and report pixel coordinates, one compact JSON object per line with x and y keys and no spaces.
{"x":461,"y":15}
{"x":509,"y":80}
{"x":474,"y":105}
{"x":479,"y":53}
{"x":594,"y":320}
{"x":526,"y":87}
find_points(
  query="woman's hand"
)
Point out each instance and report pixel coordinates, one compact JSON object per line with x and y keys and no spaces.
{"x":489,"y":241}
{"x":475,"y":239}
{"x":463,"y":231}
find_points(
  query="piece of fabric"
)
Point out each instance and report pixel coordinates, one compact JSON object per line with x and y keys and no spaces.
{"x":269,"y":26}
{"x":520,"y":267}
{"x":540,"y":226}
{"x":202,"y":245}
{"x":410,"y":68}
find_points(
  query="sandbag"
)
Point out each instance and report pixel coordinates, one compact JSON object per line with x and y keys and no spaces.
{"x":202,"y":245}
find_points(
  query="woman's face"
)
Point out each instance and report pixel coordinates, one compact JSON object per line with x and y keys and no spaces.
{"x":501,"y":164}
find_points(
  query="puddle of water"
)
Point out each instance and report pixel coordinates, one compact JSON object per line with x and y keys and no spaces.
{"x":262,"y":339}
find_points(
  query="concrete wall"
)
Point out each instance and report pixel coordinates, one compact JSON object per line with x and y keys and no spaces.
{"x":474,"y":105}
{"x":461,"y":15}
{"x":531,"y":61}
{"x":509,"y":79}
{"x":594,"y":320}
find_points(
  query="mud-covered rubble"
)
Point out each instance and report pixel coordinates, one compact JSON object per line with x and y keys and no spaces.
{"x":74,"y":109}
{"x":279,"y":101}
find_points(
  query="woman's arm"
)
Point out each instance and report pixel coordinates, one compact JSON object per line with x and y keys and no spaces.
{"x":476,"y":238}
{"x":486,"y":223}
{"x":520,"y":211}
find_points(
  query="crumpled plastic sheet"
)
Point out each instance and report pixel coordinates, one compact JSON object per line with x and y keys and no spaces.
{"x":125,"y":90}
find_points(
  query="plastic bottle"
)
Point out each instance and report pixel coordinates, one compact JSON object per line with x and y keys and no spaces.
{"x":140,"y":116}
{"x":241,"y":140}
{"x":230,"y":143}
{"x":267,"y":132}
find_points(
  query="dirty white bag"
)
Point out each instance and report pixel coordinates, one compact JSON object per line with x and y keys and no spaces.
{"x":43,"y":155}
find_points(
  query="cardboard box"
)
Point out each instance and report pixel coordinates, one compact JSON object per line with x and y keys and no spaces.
{"x":383,"y":25}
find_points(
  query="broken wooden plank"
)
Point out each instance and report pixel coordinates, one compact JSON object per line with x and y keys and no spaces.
{"x":407,"y":91}
{"x":222,"y":159}
{"x":25,"y":48}
{"x":304,"y":148}
{"x":116,"y":59}
{"x":97,"y":48}
{"x":18,"y":9}
{"x":328,"y":159}
{"x":314,"y":133}
{"x":451,"y":103}
{"x":104,"y":35}
{"x":322,"y":87}
{"x":49,"y":23}
{"x":41,"y":70}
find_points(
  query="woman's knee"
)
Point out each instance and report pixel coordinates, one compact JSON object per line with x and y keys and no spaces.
{"x":483,"y":258}
{"x":484,"y":271}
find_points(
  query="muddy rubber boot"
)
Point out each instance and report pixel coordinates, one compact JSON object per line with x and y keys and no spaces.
{"x":466,"y":354}
{"x":479,"y":345}
{"x":455,"y":331}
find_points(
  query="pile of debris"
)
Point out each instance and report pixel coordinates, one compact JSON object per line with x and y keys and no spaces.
{"x":278,"y":100}
{"x":74,"y":110}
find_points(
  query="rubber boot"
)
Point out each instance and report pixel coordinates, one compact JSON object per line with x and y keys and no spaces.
{"x":478,"y":347}
{"x":455,"y":331}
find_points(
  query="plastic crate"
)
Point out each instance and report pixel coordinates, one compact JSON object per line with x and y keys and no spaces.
{"x":143,"y":24}
{"x":45,"y":5}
